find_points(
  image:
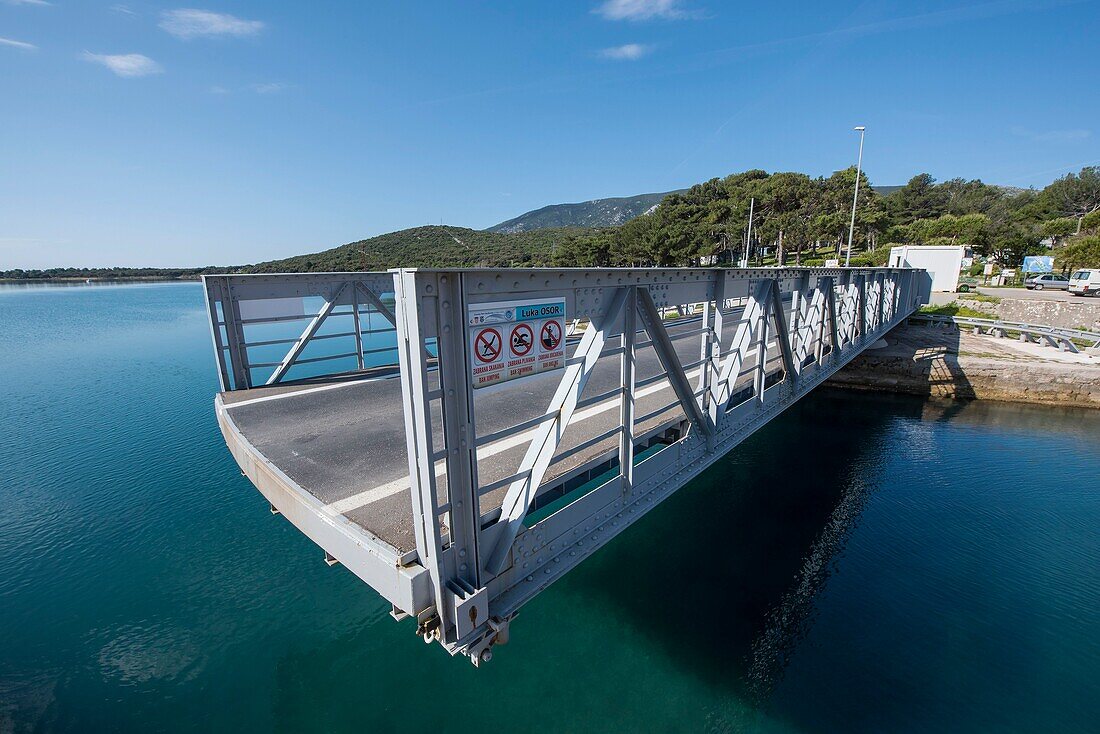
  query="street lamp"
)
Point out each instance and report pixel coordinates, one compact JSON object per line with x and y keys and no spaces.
{"x":748,"y":235}
{"x":859,"y":164}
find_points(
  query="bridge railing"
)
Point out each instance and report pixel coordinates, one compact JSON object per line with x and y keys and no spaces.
{"x":646,"y":394}
{"x":268,"y":329}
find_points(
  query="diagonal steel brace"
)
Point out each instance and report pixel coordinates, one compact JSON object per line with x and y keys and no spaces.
{"x":377,"y":303}
{"x":666,"y":353}
{"x":541,"y":451}
{"x":731,"y":368}
{"x":311,"y":329}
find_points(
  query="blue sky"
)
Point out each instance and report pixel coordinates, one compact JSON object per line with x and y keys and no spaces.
{"x":154,"y":133}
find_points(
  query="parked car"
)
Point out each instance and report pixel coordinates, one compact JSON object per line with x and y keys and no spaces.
{"x":1047,"y":280}
{"x":1085,"y":282}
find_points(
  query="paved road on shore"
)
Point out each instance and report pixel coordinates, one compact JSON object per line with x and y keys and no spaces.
{"x":1044,"y":295}
{"x":1022,"y":294}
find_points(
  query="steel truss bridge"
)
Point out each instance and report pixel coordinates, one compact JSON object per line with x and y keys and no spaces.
{"x":348,"y":400}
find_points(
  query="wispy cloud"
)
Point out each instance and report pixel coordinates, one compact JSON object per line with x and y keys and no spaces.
{"x":849,"y":32}
{"x":258,"y":88}
{"x":26,"y":2}
{"x":189,"y":23}
{"x":641,"y":10}
{"x":704,"y":61}
{"x":626,"y":52}
{"x":18,"y":44}
{"x":918,"y":21}
{"x":1053,"y":136}
{"x":1060,"y":135}
{"x":267,"y":87}
{"x":122,"y":10}
{"x":125,"y":65}
{"x":1068,"y":168}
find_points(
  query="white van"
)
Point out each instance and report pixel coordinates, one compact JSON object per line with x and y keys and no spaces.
{"x":1085,"y":282}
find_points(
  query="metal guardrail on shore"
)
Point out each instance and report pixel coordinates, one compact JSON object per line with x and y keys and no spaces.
{"x":1060,"y":338}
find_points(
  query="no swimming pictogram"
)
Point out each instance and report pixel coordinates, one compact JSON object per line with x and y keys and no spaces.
{"x":522,"y":339}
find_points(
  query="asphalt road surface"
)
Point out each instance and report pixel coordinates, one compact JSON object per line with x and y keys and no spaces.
{"x":345,"y":443}
{"x":1023,"y":294}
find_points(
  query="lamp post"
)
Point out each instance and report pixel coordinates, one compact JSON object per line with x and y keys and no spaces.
{"x":859,"y":164}
{"x":748,"y":235}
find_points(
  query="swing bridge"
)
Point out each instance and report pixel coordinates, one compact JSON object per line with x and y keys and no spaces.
{"x":359,"y":405}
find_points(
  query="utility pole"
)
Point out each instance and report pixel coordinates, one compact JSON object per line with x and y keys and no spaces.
{"x":859,"y":164}
{"x":748,"y":235}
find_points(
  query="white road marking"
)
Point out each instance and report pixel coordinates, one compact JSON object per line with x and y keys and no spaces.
{"x":396,"y":486}
{"x":380,"y":492}
{"x":306,"y":391}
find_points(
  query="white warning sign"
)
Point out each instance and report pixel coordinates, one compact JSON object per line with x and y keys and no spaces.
{"x":515,"y":339}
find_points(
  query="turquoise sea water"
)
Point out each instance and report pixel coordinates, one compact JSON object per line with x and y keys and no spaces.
{"x":863,"y":564}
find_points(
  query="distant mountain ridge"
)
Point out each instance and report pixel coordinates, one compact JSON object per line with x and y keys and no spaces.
{"x":609,"y":212}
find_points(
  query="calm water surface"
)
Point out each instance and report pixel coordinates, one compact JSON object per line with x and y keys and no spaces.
{"x":865,"y":563}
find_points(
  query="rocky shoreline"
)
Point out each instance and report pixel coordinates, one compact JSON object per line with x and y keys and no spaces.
{"x":944,"y":362}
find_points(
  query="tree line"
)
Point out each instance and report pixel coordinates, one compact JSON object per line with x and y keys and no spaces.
{"x":799,"y":220}
{"x":117,"y":273}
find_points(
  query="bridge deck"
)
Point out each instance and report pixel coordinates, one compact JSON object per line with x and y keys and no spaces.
{"x":342,"y":439}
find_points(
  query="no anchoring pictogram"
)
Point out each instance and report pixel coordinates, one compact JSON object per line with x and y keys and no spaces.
{"x":551,"y":335}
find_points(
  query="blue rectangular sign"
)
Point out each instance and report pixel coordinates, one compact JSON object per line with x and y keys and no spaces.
{"x":1038,"y":264}
{"x":540,"y":311}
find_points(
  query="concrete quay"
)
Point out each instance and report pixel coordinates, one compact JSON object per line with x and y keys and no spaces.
{"x":944,"y":362}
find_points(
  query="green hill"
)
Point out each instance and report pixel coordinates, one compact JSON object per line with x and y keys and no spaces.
{"x":597,"y":213}
{"x":429,"y":247}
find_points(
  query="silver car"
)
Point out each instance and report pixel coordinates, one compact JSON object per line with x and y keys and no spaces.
{"x":1047,"y":280}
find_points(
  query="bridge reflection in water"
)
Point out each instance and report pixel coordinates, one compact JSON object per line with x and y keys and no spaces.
{"x":735,"y":622}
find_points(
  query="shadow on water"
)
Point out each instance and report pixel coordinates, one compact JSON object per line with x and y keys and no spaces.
{"x":730,"y":566}
{"x":938,"y":360}
{"x":918,"y":359}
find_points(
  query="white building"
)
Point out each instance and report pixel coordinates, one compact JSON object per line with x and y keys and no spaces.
{"x":943,"y":263}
